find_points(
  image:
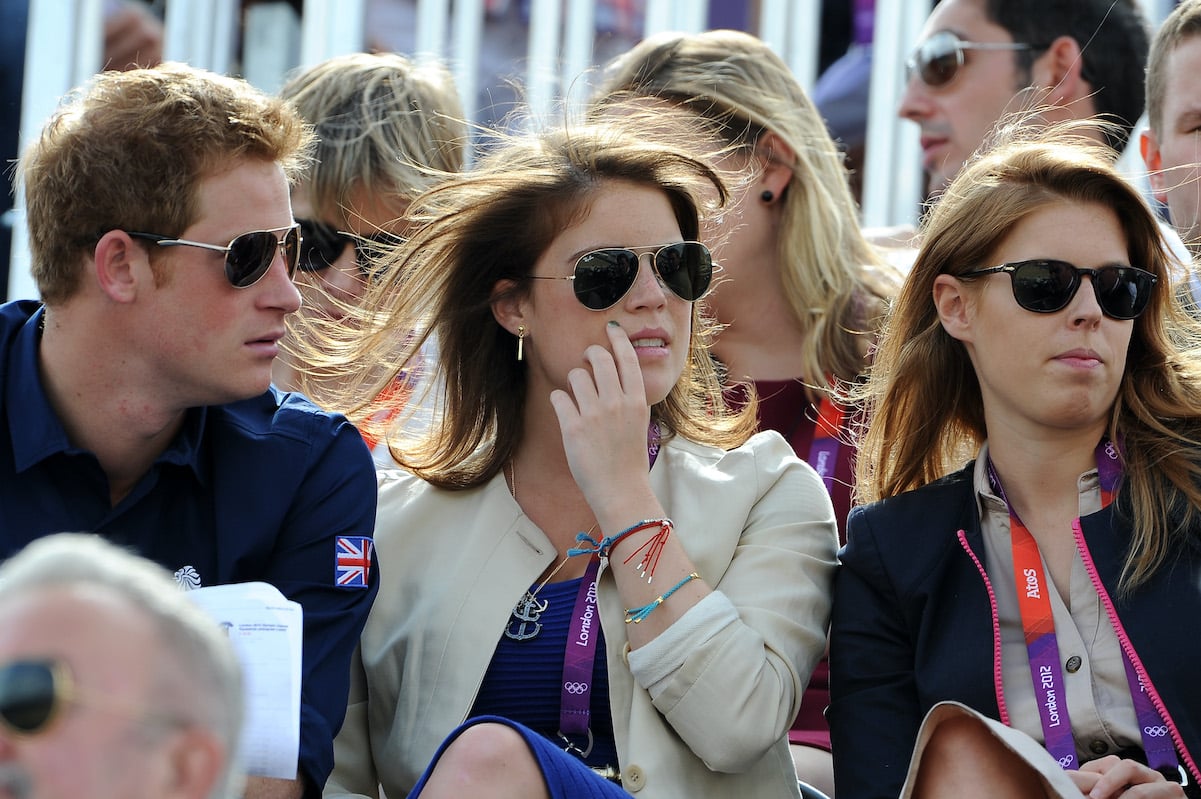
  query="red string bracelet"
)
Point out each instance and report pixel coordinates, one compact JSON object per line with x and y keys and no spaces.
{"x":652,"y":548}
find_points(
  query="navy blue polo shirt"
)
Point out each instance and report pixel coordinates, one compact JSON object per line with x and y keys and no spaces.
{"x":271,"y":489}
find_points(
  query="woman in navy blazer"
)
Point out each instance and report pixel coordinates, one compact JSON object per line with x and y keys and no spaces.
{"x":1053,"y":585}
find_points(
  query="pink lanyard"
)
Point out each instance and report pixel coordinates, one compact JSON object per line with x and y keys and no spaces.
{"x":579,"y":657}
{"x":1038,"y":624}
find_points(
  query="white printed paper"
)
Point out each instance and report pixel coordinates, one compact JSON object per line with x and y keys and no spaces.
{"x":267,"y":633}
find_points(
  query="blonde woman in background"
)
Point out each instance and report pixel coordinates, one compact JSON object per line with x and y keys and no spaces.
{"x":802,"y":290}
{"x":387,"y":128}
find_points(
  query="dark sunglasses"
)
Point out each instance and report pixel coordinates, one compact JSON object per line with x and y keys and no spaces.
{"x":1044,"y":286}
{"x":248,"y":256}
{"x":939,"y":58}
{"x":322,"y":244}
{"x":603,"y":277}
{"x":32,"y":692}
{"x":35,"y":692}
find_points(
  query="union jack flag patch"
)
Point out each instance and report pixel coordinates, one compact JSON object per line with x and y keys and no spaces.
{"x":353,"y":561}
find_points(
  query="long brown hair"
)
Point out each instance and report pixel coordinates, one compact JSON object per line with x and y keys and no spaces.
{"x":923,"y":399}
{"x":489,"y":225}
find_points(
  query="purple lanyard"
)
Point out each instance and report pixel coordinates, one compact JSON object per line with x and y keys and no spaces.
{"x":575,"y":710}
{"x":1042,"y":646}
{"x":579,"y":657}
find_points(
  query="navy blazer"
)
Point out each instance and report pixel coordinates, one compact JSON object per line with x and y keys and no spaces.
{"x":914,"y":624}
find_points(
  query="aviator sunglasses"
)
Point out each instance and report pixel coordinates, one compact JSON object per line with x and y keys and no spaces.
{"x":939,"y":58}
{"x":602,"y":277}
{"x":1045,"y":286}
{"x":248,"y":256}
{"x":322,"y":244}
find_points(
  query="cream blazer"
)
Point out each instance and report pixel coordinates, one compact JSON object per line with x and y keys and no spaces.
{"x":756,"y":521}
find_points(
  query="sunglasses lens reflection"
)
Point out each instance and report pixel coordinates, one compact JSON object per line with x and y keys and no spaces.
{"x":27,"y":693}
{"x":938,"y":59}
{"x":250,"y":255}
{"x":686,"y":269}
{"x":291,"y":251}
{"x":1048,"y":286}
{"x":1122,"y":296}
{"x":603,"y":277}
{"x":1044,"y":286}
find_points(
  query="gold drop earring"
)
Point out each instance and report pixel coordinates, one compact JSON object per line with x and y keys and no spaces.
{"x":520,"y":340}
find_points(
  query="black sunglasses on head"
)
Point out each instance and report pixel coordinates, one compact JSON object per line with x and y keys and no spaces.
{"x":1047,"y":286}
{"x":322,"y":245}
{"x":602,"y":277}
{"x":248,"y":256}
{"x":939,"y":58}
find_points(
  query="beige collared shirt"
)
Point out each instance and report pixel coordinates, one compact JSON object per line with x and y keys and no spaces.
{"x":1098,"y":693}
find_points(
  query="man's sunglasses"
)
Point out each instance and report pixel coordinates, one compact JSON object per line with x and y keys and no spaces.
{"x":939,"y":58}
{"x":248,"y":256}
{"x":603,"y":277}
{"x":35,"y":692}
{"x":322,"y":244}
{"x":32,"y":693}
{"x":1044,"y":286}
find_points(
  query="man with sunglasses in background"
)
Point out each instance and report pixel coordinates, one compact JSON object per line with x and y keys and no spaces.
{"x":112,"y":684}
{"x":135,"y":400}
{"x":1171,"y":146}
{"x":981,"y":59}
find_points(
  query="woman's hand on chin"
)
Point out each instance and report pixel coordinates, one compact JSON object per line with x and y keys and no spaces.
{"x":604,"y":423}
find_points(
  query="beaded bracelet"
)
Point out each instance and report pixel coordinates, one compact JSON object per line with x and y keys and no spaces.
{"x":638,"y":614}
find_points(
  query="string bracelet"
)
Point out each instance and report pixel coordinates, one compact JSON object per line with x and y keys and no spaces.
{"x":651,"y":549}
{"x":588,"y":545}
{"x":636,"y":615}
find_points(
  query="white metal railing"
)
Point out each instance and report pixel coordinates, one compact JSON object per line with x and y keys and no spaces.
{"x":64,"y":50}
{"x":892,"y":174}
{"x":203,"y":34}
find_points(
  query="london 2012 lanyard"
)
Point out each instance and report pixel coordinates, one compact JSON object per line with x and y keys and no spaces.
{"x":579,"y":658}
{"x":1038,"y":625}
{"x":823,"y":451}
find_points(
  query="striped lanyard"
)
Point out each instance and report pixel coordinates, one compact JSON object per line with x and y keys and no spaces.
{"x":1038,"y":625}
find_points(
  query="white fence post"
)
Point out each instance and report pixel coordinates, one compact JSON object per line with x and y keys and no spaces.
{"x":202,"y":33}
{"x":63,"y":48}
{"x":892,"y":176}
{"x":270,"y":45}
{"x":792,"y":29}
{"x":329,"y":28}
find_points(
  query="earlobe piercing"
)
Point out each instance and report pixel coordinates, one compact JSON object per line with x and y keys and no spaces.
{"x":767,"y":196}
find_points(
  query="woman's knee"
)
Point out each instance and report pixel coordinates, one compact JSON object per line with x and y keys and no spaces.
{"x":489,"y":758}
{"x":491,"y":748}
